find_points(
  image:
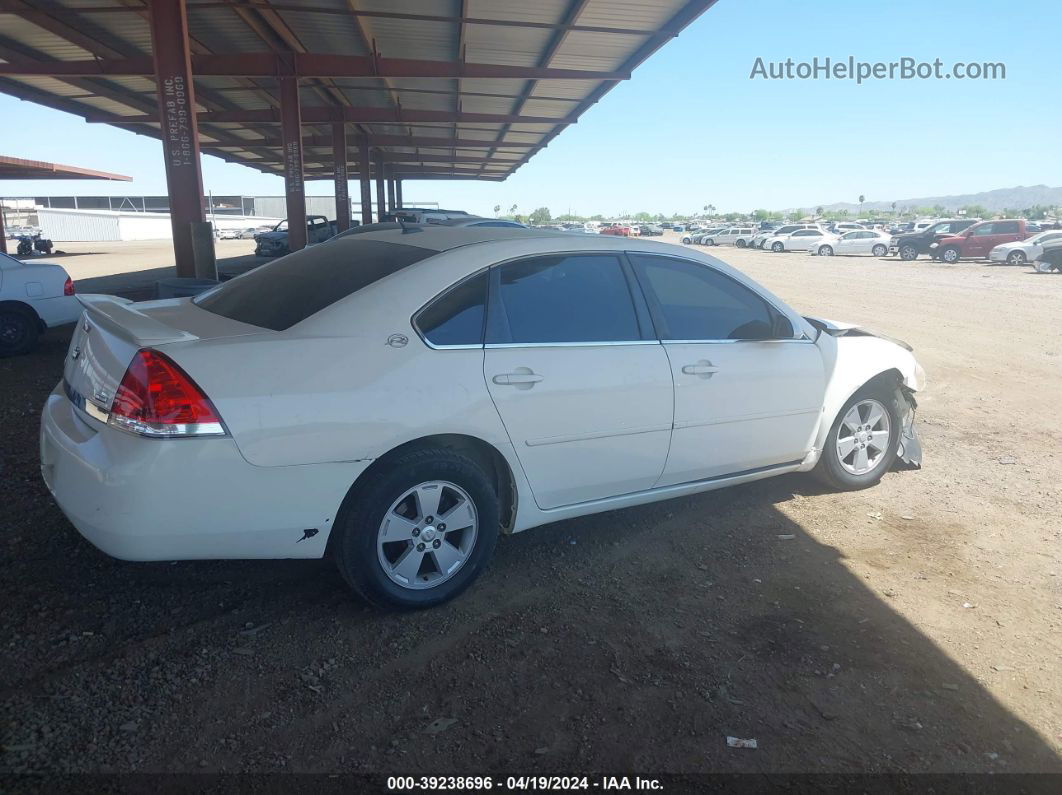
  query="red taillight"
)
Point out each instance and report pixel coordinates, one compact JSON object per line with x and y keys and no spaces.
{"x":68,"y":287}
{"x":157,"y":398}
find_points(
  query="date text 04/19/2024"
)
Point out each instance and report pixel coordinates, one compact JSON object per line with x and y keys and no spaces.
{"x":522,"y":783}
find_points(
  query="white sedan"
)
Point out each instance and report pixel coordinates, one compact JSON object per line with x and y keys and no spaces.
{"x":397,"y":399}
{"x":800,"y":240}
{"x":1022,"y":252}
{"x":33,"y":296}
{"x":861,"y":241}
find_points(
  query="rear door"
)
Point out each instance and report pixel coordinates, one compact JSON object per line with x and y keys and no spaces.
{"x":744,"y":399}
{"x":581,"y":384}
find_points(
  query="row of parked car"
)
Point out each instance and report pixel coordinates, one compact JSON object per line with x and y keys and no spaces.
{"x":1009,"y":241}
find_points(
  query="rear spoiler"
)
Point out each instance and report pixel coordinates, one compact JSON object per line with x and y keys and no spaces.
{"x":120,"y":317}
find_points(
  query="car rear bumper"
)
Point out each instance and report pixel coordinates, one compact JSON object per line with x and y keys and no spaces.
{"x":183,"y":499}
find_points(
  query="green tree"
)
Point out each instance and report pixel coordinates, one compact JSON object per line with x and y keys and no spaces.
{"x":497,"y":209}
{"x":975,"y":211}
{"x":541,"y":216}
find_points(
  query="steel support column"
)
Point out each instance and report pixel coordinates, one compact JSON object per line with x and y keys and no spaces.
{"x":339,"y":158}
{"x":365,"y":180}
{"x":381,"y":206}
{"x":3,"y":232}
{"x":398,"y":194}
{"x":388,"y":172}
{"x":180,"y":134}
{"x":294,"y":186}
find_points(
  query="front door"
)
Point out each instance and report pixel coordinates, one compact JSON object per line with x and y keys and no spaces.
{"x":584,"y":391}
{"x":744,"y":399}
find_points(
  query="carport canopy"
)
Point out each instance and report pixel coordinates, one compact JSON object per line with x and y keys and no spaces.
{"x":401,"y":89}
{"x":17,"y":168}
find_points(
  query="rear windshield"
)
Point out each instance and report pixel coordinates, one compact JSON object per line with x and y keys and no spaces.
{"x":285,"y":292}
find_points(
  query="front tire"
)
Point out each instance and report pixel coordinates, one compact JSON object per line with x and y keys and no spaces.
{"x":419,"y":531}
{"x":862,"y":443}
{"x":19,"y":330}
{"x":777,"y":248}
{"x":950,"y":255}
{"x":908,"y":253}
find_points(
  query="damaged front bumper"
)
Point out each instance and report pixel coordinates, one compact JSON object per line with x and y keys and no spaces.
{"x":909,"y":453}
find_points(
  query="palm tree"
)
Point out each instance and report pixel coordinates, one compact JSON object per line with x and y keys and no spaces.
{"x":894,"y":208}
{"x":862,"y":199}
{"x":497,"y":208}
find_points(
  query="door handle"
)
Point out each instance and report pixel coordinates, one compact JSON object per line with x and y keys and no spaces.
{"x":703,"y":368}
{"x":517,"y":379}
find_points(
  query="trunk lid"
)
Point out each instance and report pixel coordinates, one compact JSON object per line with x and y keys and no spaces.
{"x":111,"y":330}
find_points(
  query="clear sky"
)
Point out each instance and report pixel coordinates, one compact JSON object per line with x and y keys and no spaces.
{"x":691,"y":128}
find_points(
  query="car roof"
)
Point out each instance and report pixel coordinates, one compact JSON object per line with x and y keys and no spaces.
{"x":442,"y":237}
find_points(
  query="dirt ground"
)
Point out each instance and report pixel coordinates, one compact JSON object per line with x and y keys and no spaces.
{"x":913,"y":627}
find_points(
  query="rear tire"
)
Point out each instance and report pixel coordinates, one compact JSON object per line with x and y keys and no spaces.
{"x":879,"y":250}
{"x":825,"y":251}
{"x":908,"y":253}
{"x":383,"y":506}
{"x":741,"y":244}
{"x":840,"y":464}
{"x":19,"y":330}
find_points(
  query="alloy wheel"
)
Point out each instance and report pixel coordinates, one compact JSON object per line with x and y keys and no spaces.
{"x":863,"y":437}
{"x":427,"y":535}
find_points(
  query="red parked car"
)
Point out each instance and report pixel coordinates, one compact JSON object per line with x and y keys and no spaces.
{"x":618,"y":230}
{"x":976,"y":241}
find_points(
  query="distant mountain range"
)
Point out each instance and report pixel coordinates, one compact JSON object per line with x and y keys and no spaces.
{"x":1014,"y":198}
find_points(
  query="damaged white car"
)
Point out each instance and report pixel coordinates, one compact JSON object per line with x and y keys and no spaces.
{"x":396,"y":399}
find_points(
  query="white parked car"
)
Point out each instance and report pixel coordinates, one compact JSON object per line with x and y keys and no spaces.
{"x":763,"y":237}
{"x":229,"y":234}
{"x":740,"y":236}
{"x":360,"y":400}
{"x":34,"y":296}
{"x":697,"y":234}
{"x":1022,"y":252}
{"x":800,"y":240}
{"x":861,"y":241}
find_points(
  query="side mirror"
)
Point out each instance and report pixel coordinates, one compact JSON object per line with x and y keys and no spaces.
{"x":781,"y":328}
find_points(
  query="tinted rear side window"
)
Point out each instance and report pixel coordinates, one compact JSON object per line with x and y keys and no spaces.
{"x":456,"y":316}
{"x":285,"y":292}
{"x":563,"y":298}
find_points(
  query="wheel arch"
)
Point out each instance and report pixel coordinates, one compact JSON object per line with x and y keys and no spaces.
{"x":484,"y":453}
{"x":22,"y":306}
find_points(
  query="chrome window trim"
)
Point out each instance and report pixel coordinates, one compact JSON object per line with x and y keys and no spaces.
{"x":800,"y":340}
{"x":499,"y":345}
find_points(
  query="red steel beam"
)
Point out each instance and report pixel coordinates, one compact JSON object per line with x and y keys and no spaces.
{"x":180,"y":135}
{"x":339,"y":158}
{"x":381,"y":207}
{"x":294,"y":186}
{"x":307,"y":65}
{"x":411,"y":141}
{"x":364,"y":180}
{"x":356,"y":115}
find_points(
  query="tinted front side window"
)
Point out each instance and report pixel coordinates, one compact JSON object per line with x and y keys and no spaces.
{"x":562,"y":298}
{"x":456,"y":317}
{"x":286,"y":291}
{"x":695,"y":302}
{"x":984,"y":229}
